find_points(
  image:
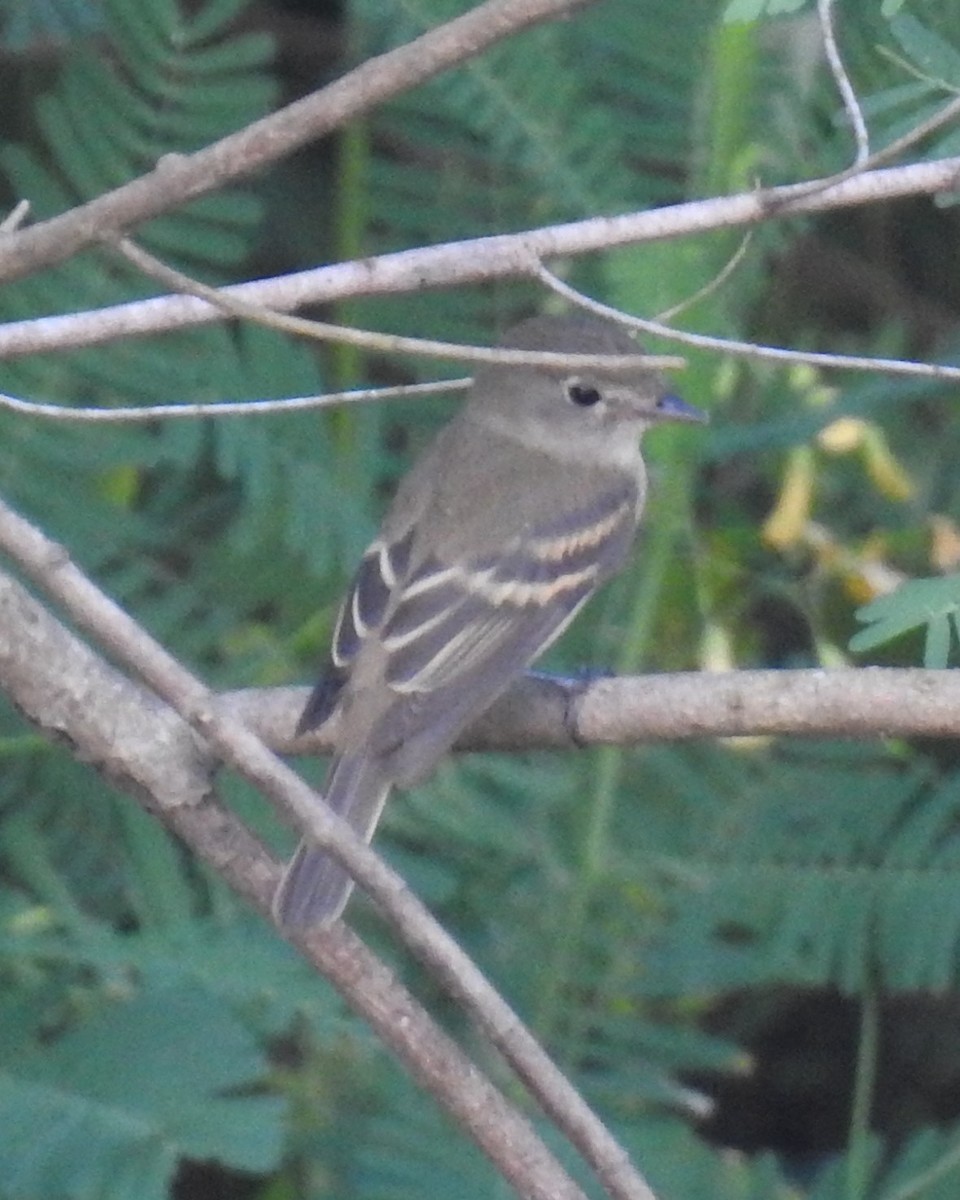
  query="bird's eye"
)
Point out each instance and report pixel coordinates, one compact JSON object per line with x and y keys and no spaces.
{"x":583,"y":395}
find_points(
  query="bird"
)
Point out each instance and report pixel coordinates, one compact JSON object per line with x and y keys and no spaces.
{"x":524,"y":504}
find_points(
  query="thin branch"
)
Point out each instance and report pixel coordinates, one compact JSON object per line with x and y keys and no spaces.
{"x":911,"y":68}
{"x":886,"y":154}
{"x":48,"y":565}
{"x":370,"y":340}
{"x":228,"y":408}
{"x":847,"y":362}
{"x":16,"y":217}
{"x":712,"y":285}
{"x":844,"y":86}
{"x":946,"y":116}
{"x":476,"y":260}
{"x":144,"y":748}
{"x":181,"y":177}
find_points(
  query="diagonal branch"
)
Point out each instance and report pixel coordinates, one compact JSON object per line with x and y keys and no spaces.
{"x":143,"y":747}
{"x":370,"y":339}
{"x":48,"y":565}
{"x":841,"y":362}
{"x":181,"y":177}
{"x":478,"y":260}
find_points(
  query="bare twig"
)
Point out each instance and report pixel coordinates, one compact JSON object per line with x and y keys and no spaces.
{"x":711,"y":285}
{"x":848,"y":362}
{"x":917,"y":72}
{"x":946,"y":116}
{"x":181,"y":177}
{"x":938,"y":120}
{"x":476,"y":260}
{"x":227,"y":408}
{"x":844,"y":86}
{"x":16,"y":217}
{"x":370,"y":340}
{"x":49,"y":567}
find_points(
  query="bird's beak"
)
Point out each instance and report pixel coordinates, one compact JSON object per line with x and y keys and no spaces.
{"x":672,"y":408}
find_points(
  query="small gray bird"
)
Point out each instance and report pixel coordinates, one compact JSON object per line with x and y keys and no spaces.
{"x":524,"y":504}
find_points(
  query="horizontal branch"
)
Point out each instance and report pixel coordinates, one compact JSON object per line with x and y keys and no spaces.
{"x":855,"y":703}
{"x":478,"y":260}
{"x":542,"y":712}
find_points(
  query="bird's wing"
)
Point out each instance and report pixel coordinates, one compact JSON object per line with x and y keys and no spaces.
{"x":450,"y":636}
{"x":455,"y":634}
{"x":377,"y":578}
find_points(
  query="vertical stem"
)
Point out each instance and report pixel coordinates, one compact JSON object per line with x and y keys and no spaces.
{"x":858,"y":1152}
{"x":731,"y":88}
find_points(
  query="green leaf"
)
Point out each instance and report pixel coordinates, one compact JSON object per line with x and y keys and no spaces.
{"x":936,"y":650}
{"x":929,"y":52}
{"x":107,"y":1109}
{"x":752,"y":10}
{"x":919,"y":602}
{"x":818,"y":873}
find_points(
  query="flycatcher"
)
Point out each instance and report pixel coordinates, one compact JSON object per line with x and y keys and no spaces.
{"x":524,"y":504}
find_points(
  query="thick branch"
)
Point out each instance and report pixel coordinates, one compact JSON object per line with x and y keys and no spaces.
{"x":542,"y":712}
{"x":49,"y":566}
{"x":180,"y":177}
{"x":145,"y":748}
{"x":476,"y":260}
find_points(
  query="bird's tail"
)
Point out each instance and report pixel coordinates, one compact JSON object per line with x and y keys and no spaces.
{"x":315,"y":888}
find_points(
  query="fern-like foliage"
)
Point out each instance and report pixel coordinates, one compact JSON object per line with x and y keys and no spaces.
{"x":104,"y":1113}
{"x":404,"y":1147}
{"x":819,"y":869}
{"x":613,"y":896}
{"x":146,"y":509}
{"x":929,"y":604}
{"x":926,"y":49}
{"x":569,"y":120}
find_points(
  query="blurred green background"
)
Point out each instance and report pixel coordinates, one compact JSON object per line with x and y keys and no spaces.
{"x":745,"y":954}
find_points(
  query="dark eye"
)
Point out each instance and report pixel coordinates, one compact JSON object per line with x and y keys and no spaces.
{"x":585,"y":397}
